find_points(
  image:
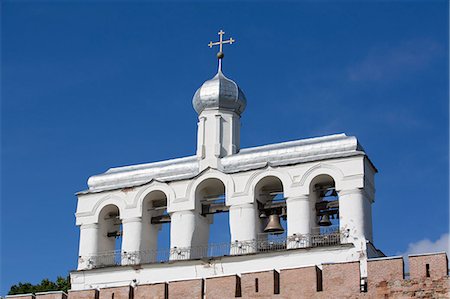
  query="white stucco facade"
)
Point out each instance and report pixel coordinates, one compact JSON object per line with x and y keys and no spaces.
{"x":127,"y":199}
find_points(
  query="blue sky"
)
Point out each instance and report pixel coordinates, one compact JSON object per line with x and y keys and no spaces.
{"x":87,"y":85}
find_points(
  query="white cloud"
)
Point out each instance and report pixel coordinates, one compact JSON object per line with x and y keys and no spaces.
{"x":427,"y":246}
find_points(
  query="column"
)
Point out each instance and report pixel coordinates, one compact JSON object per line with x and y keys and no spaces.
{"x":131,"y":240}
{"x":354,"y":208}
{"x":182,"y":229}
{"x":298,"y":220}
{"x":243,"y":221}
{"x":88,"y":246}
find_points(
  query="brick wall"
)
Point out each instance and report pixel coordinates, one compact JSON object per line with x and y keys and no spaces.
{"x":337,"y":280}
{"x":116,"y":293}
{"x":300,"y":282}
{"x":340,"y":279}
{"x":51,"y":295}
{"x":384,"y":269}
{"x":86,"y":294}
{"x":151,"y":291}
{"x":21,"y":296}
{"x":428,"y":265}
{"x":259,"y":284}
{"x":223,"y":287}
{"x":186,"y":289}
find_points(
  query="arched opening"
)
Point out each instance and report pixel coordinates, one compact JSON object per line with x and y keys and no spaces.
{"x":325,"y":216}
{"x":110,"y":236}
{"x":155,"y":234}
{"x":272,"y":212}
{"x":212,"y":225}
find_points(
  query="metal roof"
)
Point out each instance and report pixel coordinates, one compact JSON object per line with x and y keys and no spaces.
{"x":285,"y":153}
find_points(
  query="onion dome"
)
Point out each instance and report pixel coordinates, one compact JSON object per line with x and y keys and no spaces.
{"x":219,"y":93}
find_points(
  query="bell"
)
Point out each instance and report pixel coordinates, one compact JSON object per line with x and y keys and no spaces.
{"x":274,"y":226}
{"x":325,"y":220}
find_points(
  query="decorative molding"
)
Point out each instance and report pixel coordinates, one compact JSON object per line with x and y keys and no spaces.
{"x":118,"y":201}
{"x":320,"y":169}
{"x":153,"y":186}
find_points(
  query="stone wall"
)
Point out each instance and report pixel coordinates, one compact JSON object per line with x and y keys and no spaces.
{"x":386,"y":279}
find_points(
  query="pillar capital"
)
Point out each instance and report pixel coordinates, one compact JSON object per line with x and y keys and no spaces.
{"x":356,"y":191}
{"x":246,"y":205}
{"x":301,"y":197}
{"x":89,"y":225}
{"x":350,"y":191}
{"x":131,"y":219}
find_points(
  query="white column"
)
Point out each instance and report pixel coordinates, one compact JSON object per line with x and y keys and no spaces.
{"x":243,"y":221}
{"x":353,"y":213}
{"x":298,"y":220}
{"x":88,"y":245}
{"x":182,"y":229}
{"x":131,"y":240}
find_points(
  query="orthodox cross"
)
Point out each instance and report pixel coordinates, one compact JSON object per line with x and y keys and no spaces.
{"x":221,"y":42}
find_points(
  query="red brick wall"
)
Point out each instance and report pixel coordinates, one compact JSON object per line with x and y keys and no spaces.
{"x":438,"y":265}
{"x":86,"y":294}
{"x":423,"y":288}
{"x":341,"y":279}
{"x":300,"y":282}
{"x":116,"y":293}
{"x":221,"y":287}
{"x":186,"y":289}
{"x":384,"y":270}
{"x":258,"y":284}
{"x":51,"y":295}
{"x":22,"y":296}
{"x":150,"y":291}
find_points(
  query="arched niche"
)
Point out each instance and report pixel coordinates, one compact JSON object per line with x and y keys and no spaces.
{"x":325,"y":204}
{"x":155,"y":231}
{"x":109,"y":235}
{"x":271,"y":204}
{"x":212,"y":222}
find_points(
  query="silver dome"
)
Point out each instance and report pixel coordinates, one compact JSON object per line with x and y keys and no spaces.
{"x":219,"y":92}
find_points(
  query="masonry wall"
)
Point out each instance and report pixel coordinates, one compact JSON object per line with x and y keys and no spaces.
{"x":428,"y":279}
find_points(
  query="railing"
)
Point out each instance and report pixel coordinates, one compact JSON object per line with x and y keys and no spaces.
{"x":264,"y":243}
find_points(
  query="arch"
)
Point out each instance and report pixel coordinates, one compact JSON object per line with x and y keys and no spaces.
{"x":210,"y":192}
{"x":109,"y":232}
{"x":261,"y":174}
{"x":269,"y":189}
{"x":115,"y":200}
{"x":226,"y":180}
{"x":321,"y":169}
{"x":323,"y":195}
{"x":269,"y":181}
{"x":164,"y":188}
{"x":153,"y":204}
{"x":321,"y":178}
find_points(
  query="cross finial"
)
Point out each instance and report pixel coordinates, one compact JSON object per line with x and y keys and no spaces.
{"x":221,"y":42}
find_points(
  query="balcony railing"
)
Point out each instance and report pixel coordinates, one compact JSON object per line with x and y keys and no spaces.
{"x":264,"y":243}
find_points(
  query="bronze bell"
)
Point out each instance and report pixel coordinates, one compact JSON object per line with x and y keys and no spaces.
{"x":325,"y":220}
{"x":274,"y":226}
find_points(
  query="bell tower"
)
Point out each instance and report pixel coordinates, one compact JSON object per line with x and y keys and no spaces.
{"x":219,"y":103}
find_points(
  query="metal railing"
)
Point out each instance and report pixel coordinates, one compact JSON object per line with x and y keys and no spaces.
{"x":263,"y":243}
